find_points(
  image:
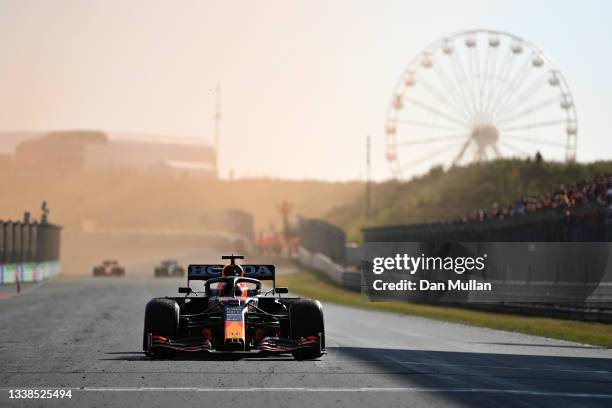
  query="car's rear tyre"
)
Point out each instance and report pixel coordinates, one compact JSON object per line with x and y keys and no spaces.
{"x":306,"y":319}
{"x":161,"y":319}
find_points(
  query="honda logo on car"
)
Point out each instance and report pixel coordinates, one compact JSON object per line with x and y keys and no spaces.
{"x":213,"y":271}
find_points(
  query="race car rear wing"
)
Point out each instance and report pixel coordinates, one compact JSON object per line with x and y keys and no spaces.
{"x":204,"y":272}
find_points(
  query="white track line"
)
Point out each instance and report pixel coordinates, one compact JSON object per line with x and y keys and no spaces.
{"x":506,"y":367}
{"x":336,"y":390}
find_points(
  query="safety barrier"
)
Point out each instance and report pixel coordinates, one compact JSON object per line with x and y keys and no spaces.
{"x":551,"y":263}
{"x":341,"y":275}
{"x":585,"y":294}
{"x":29,"y":251}
{"x":323,"y":248}
{"x":318,"y":236}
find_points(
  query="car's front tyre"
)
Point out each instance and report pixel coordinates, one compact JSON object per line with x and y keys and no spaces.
{"x":306,"y":319}
{"x":161,"y":319}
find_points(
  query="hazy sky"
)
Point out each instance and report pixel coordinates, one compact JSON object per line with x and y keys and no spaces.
{"x":303,"y":82}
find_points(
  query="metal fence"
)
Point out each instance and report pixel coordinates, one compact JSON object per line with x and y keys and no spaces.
{"x":29,"y":251}
{"x":584,"y":224}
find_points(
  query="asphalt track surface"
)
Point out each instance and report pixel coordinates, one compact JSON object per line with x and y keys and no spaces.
{"x":86,"y":333}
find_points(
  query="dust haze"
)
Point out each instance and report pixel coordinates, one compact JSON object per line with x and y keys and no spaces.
{"x":139,"y":200}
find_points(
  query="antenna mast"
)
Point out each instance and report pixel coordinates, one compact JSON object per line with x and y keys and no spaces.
{"x":217,"y":124}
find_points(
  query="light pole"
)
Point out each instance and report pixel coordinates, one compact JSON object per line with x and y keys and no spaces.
{"x":367,"y":192}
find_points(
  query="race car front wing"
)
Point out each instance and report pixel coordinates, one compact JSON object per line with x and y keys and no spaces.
{"x":200,"y":344}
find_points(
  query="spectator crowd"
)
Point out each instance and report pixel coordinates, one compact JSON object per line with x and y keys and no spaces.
{"x":597,"y":191}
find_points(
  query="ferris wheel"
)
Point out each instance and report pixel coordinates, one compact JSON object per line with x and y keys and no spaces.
{"x":475,"y":96}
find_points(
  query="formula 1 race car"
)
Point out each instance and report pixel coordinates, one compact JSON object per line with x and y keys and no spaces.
{"x":231,"y":315}
{"x":168,"y":268}
{"x":109,"y":267}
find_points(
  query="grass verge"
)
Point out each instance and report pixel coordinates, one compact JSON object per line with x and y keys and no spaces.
{"x":316,"y":285}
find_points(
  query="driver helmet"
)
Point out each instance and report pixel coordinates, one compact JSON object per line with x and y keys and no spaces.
{"x":232,"y":270}
{"x":237,"y":271}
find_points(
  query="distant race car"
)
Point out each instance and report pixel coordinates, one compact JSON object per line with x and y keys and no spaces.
{"x":109,"y":267}
{"x":169,"y":267}
{"x":231,"y":315}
